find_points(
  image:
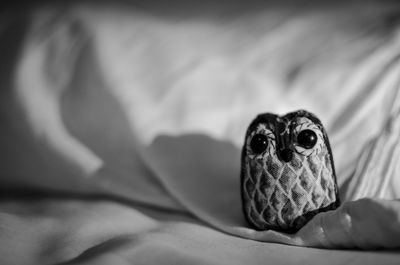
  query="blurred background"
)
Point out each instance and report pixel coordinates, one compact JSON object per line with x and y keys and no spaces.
{"x":97,"y":94}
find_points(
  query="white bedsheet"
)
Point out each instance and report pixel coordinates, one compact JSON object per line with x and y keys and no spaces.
{"x":151,"y":106}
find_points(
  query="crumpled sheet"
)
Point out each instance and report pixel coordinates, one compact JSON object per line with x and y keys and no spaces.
{"x":129,"y":120}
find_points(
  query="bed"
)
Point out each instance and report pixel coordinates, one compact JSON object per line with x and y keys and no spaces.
{"x":122,"y":124}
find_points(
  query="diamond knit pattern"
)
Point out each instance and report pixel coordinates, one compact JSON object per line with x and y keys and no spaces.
{"x":284,"y":196}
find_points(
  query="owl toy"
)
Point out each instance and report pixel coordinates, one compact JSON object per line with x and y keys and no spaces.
{"x":287,"y":171}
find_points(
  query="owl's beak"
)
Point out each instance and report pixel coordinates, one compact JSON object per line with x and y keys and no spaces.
{"x":285,"y":155}
{"x":284,"y":138}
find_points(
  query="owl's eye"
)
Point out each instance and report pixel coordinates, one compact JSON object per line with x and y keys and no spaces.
{"x":307,"y":139}
{"x":259,"y":143}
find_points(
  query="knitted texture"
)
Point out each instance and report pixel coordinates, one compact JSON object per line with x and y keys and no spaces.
{"x":284,"y":195}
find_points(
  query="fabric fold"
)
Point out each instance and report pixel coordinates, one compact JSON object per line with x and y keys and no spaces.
{"x":155,"y":109}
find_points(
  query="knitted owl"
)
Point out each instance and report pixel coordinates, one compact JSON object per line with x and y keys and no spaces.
{"x":287,"y":171}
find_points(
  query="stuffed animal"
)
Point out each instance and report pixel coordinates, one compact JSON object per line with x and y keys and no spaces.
{"x":287,"y":171}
